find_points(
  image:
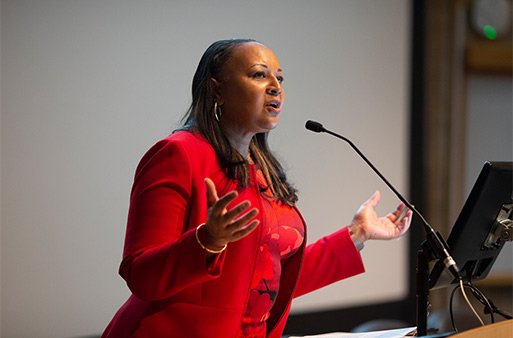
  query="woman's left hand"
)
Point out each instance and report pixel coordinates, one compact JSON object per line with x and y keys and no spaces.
{"x":366,"y":224}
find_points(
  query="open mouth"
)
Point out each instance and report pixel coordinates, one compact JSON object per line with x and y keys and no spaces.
{"x":274,"y":104}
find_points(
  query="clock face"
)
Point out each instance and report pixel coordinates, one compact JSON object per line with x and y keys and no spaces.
{"x":491,"y":16}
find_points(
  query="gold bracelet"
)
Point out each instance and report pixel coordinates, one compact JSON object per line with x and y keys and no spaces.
{"x":204,"y":247}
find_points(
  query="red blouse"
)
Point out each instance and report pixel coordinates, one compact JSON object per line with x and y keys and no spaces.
{"x":283,"y":234}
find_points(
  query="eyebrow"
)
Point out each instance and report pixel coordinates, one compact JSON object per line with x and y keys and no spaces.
{"x":265,"y":66}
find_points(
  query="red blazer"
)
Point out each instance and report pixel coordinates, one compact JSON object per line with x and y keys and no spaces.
{"x":175,"y":293}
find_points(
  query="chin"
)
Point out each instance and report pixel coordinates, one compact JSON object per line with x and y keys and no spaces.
{"x":272,"y":123}
{"x":270,"y":126}
{"x":266,"y":124}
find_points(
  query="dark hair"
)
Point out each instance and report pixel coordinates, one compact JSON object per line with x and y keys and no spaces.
{"x":200,"y":118}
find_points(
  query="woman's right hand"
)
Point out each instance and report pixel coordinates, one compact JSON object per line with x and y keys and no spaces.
{"x":224,"y":226}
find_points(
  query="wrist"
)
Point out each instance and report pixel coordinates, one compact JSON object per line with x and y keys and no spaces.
{"x":356,"y":240}
{"x":208,"y":247}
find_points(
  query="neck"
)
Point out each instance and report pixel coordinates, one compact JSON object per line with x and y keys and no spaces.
{"x":239,"y":142}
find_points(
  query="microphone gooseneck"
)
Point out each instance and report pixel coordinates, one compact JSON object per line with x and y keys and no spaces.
{"x":434,"y":238}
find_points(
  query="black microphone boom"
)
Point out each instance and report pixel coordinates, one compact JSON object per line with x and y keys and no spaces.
{"x":435,"y":240}
{"x":317,"y":127}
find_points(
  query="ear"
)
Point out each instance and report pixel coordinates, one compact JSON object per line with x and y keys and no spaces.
{"x":216,"y":90}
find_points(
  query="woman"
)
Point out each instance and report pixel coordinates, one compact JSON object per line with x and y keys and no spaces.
{"x":200,"y":265}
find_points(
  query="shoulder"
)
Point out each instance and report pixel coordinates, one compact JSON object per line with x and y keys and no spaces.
{"x":186,"y":137}
{"x":180,"y":148}
{"x":181,"y":142}
{"x":183,"y":138}
{"x":194,"y":145}
{"x":188,"y":141}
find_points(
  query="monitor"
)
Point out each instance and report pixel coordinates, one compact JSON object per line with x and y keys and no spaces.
{"x":483,"y":226}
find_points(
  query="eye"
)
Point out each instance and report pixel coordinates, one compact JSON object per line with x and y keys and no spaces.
{"x":280,"y":78}
{"x":259,"y":75}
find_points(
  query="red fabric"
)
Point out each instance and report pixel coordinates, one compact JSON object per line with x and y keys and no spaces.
{"x":175,"y":292}
{"x":283,"y":235}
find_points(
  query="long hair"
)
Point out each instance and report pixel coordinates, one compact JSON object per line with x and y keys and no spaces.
{"x":200,"y":118}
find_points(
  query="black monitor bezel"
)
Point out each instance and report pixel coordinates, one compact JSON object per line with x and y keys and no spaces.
{"x":492,"y":189}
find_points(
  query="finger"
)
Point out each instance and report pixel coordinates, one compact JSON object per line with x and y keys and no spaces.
{"x":242,"y":221}
{"x":222,"y":203}
{"x":211,"y":192}
{"x":245,"y":230}
{"x":236,"y":211}
{"x":373,"y":201}
{"x":396,"y":215}
{"x":406,"y":222}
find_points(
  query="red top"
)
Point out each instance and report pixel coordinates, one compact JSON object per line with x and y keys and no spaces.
{"x":283,"y":234}
{"x":175,"y":293}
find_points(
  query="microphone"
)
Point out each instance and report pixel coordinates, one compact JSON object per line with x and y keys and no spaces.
{"x":314,"y":126}
{"x":434,"y":239}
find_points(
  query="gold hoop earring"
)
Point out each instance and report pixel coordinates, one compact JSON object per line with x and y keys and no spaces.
{"x":217,"y":112}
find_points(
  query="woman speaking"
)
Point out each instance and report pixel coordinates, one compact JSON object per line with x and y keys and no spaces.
{"x":215,"y":246}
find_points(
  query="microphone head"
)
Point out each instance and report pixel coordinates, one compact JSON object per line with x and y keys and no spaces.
{"x":314,"y":126}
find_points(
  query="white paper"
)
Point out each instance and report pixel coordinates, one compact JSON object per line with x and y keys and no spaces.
{"x":396,"y":333}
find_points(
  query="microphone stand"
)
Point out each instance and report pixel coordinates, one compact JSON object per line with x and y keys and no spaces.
{"x":424,"y":256}
{"x":434,"y":247}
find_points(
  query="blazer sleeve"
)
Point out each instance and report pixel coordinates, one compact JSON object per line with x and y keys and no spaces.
{"x":330,"y":259}
{"x":160,"y":256}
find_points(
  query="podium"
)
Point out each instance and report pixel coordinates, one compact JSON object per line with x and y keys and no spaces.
{"x":502,"y":329}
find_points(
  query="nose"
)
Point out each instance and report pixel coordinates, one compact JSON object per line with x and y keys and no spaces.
{"x":274,"y":91}
{"x":274,"y":87}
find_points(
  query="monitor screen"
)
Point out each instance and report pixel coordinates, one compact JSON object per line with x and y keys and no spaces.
{"x":482,"y":227}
